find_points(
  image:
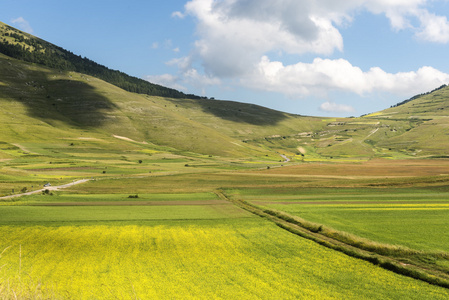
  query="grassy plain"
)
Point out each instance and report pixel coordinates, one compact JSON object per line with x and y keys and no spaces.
{"x":178,"y":239}
{"x":177,"y":259}
{"x":412,"y":217}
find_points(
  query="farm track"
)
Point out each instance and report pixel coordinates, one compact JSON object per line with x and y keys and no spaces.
{"x":135,"y":203}
{"x":50,"y":188}
{"x":407,"y":265}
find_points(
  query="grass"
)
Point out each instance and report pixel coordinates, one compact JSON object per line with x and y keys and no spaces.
{"x":427,"y":266}
{"x":243,"y":258}
{"x":408,"y":216}
{"x":69,"y":108}
{"x":14,"y":215}
{"x":417,"y":225}
{"x":180,"y":238}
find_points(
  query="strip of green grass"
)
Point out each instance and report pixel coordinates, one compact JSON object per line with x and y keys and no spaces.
{"x":419,"y":227}
{"x":34,"y":215}
{"x":411,"y":217}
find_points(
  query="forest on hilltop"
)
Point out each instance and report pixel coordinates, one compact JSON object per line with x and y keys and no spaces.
{"x":18,"y":45}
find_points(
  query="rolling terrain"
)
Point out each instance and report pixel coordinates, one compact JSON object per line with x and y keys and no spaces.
{"x":55,"y":99}
{"x":185,"y":196}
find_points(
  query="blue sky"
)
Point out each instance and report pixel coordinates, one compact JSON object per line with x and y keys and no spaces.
{"x":310,"y":57}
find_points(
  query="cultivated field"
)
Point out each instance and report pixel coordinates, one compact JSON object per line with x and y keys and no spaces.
{"x":206,"y":199}
{"x":181,"y":234}
{"x":235,"y":256}
{"x":384,"y":215}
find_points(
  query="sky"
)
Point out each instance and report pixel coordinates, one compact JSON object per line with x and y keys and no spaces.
{"x":335,"y":58}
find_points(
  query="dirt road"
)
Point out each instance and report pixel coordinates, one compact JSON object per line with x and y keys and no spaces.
{"x":50,"y":188}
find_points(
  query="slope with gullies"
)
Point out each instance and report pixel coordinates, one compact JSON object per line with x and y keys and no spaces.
{"x":45,"y":104}
{"x":419,"y":127}
{"x":41,"y":104}
{"x":68,"y":100}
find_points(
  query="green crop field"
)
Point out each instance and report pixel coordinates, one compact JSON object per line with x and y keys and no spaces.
{"x":410,"y":217}
{"x":138,"y":196}
{"x":171,"y":236}
{"x":178,"y":259}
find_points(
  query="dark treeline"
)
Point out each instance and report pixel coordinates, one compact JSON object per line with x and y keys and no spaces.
{"x":41,"y":52}
{"x":418,"y":96}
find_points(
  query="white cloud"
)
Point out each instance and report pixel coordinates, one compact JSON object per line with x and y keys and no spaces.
{"x":188,"y":77}
{"x":325,"y":75}
{"x":166,"y":80}
{"x":237,"y":37}
{"x":434,"y":28}
{"x":183,"y":63}
{"x":235,"y":34}
{"x":178,"y":14}
{"x":194,"y":78}
{"x":336,"y":108}
{"x":22,"y":24}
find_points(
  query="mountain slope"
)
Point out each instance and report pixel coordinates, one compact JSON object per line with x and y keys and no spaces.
{"x":69,"y":100}
{"x":23,"y":46}
{"x":426,"y":124}
{"x":41,"y":103}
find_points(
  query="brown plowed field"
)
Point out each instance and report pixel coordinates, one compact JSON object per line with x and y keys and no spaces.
{"x":375,"y":167}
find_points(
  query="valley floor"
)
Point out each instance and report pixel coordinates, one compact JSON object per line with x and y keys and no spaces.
{"x":173,"y":236}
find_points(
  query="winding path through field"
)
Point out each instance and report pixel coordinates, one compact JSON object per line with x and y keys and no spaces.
{"x":50,"y":188}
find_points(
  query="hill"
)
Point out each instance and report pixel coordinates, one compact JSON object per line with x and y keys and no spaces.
{"x":23,"y":46}
{"x":45,"y":103}
{"x":420,"y":126}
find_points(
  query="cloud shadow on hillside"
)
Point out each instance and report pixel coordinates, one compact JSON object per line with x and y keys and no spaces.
{"x":71,"y":101}
{"x":240,"y":112}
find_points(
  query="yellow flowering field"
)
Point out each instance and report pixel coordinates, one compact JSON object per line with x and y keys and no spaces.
{"x":246,"y":258}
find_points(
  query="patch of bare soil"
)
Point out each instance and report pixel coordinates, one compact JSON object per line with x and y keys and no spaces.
{"x":375,"y":167}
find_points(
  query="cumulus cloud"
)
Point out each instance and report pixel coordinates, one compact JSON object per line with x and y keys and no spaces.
{"x":237,"y":37}
{"x":235,"y":34}
{"x":22,"y":24}
{"x":178,"y":14}
{"x":434,"y":28}
{"x":187,"y":77}
{"x":167,"y":80}
{"x":336,"y":108}
{"x":324,"y":75}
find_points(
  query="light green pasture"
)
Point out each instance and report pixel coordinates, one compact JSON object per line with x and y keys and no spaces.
{"x":415,"y":218}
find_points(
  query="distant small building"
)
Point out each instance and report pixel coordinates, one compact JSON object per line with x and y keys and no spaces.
{"x":47,"y":184}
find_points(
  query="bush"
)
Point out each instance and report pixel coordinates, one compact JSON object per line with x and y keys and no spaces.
{"x":47,"y":192}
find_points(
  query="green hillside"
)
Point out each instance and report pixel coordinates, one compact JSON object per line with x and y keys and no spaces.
{"x":110,"y":190}
{"x":42,"y":104}
{"x":419,"y":127}
{"x":23,"y":46}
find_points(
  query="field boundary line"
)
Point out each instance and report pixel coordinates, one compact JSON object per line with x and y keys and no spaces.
{"x":411,"y":264}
